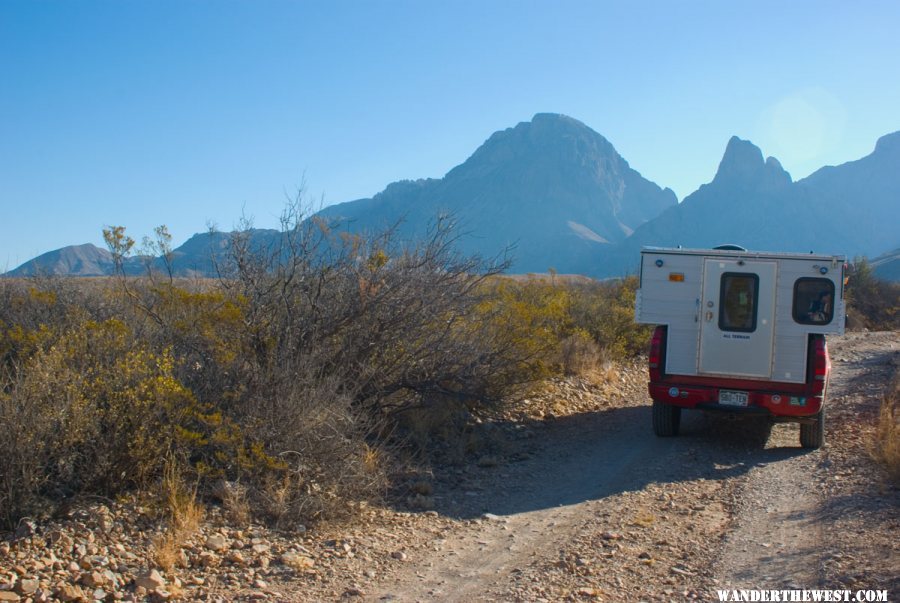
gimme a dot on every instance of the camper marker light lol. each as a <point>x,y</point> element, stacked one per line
<point>677,277</point>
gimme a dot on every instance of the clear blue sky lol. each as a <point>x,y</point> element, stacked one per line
<point>186,112</point>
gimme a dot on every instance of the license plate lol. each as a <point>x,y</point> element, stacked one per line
<point>733,398</point>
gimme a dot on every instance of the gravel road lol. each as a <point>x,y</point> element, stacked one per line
<point>573,499</point>
<point>605,510</point>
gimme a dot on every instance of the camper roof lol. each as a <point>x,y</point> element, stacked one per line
<point>745,254</point>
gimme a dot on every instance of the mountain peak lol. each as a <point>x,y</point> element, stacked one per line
<point>549,138</point>
<point>888,142</point>
<point>552,117</point>
<point>773,163</point>
<point>78,260</point>
<point>742,160</point>
<point>551,183</point>
<point>556,118</point>
<point>743,164</point>
<point>556,124</point>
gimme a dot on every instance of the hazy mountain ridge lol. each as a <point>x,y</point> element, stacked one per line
<point>860,198</point>
<point>75,260</point>
<point>754,203</point>
<point>745,189</point>
<point>561,194</point>
<point>552,187</point>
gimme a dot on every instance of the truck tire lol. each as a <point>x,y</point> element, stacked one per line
<point>812,435</point>
<point>666,419</point>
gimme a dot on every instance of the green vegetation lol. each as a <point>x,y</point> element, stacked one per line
<point>873,303</point>
<point>287,388</point>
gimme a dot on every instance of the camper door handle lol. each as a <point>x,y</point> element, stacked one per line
<point>709,316</point>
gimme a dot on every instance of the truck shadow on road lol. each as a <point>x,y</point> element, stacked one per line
<point>590,456</point>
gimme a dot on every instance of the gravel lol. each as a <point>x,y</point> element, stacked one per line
<point>572,499</point>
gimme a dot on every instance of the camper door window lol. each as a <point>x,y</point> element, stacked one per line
<point>813,301</point>
<point>738,295</point>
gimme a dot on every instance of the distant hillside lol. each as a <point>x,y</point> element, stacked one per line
<point>750,201</point>
<point>552,187</point>
<point>860,200</point>
<point>849,209</point>
<point>74,260</point>
<point>201,255</point>
<point>563,198</point>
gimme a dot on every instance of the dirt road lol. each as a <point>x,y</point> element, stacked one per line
<point>605,510</point>
<point>571,498</point>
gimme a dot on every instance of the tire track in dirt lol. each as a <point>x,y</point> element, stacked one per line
<point>549,508</point>
<point>780,538</point>
<point>542,505</point>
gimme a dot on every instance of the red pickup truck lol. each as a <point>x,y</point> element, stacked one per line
<point>740,332</point>
<point>802,403</point>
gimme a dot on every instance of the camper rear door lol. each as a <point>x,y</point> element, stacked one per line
<point>737,317</point>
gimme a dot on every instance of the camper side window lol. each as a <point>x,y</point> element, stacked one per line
<point>813,301</point>
<point>738,295</point>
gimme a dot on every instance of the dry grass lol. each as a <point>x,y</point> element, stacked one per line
<point>583,357</point>
<point>580,354</point>
<point>235,502</point>
<point>279,504</point>
<point>184,515</point>
<point>886,445</point>
<point>372,460</point>
<point>166,548</point>
<point>604,372</point>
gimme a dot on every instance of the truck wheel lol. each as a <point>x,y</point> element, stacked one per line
<point>666,419</point>
<point>812,435</point>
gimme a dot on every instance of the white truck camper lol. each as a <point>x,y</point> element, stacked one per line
<point>740,332</point>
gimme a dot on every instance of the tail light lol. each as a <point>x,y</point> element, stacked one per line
<point>657,346</point>
<point>820,364</point>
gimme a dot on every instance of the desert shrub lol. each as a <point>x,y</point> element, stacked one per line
<point>606,311</point>
<point>290,381</point>
<point>885,447</point>
<point>340,336</point>
<point>562,327</point>
<point>35,312</point>
<point>92,410</point>
<point>294,369</point>
<point>198,322</point>
<point>873,303</point>
<point>530,319</point>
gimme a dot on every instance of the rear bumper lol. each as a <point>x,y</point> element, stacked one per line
<point>764,401</point>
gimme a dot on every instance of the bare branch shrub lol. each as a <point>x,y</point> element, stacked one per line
<point>340,335</point>
<point>295,375</point>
